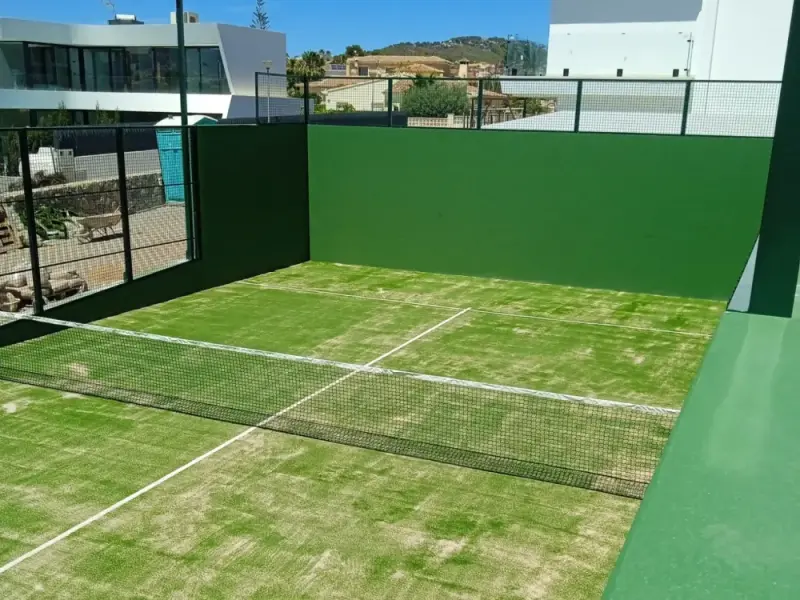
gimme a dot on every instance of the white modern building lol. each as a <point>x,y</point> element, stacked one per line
<point>132,69</point>
<point>743,40</point>
<point>704,67</point>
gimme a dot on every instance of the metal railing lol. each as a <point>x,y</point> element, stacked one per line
<point>654,106</point>
<point>83,209</point>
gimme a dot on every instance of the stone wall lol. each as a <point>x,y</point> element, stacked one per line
<point>95,197</point>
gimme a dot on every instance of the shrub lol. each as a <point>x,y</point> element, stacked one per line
<point>436,100</point>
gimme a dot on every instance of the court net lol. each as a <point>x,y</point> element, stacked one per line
<point>595,444</point>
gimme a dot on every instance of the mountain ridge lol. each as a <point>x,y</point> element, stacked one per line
<point>473,48</point>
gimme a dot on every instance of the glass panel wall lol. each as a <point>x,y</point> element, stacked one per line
<point>140,62</point>
<point>165,62</point>
<point>193,71</point>
<point>12,66</point>
<point>88,71</point>
<point>102,70</point>
<point>75,69</point>
<point>119,79</point>
<point>212,72</point>
<point>62,68</point>
<point>44,66</point>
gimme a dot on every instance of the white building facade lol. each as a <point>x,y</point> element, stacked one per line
<point>132,69</point>
<point>741,40</point>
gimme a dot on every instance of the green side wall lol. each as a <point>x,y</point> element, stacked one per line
<point>656,214</point>
<point>253,205</point>
<point>720,519</point>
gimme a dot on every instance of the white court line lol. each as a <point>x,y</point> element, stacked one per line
<point>267,286</point>
<point>201,458</point>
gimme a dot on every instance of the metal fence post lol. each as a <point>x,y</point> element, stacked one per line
<point>196,199</point>
<point>578,101</point>
<point>480,104</point>
<point>306,98</point>
<point>123,204</point>
<point>187,191</point>
<point>257,106</point>
<point>687,95</point>
<point>30,218</point>
<point>389,99</point>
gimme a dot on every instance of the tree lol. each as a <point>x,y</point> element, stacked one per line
<point>436,100</point>
<point>260,18</point>
<point>420,81</point>
<point>354,50</point>
<point>106,117</point>
<point>313,64</point>
<point>60,117</point>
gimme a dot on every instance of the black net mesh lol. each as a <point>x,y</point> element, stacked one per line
<point>601,445</point>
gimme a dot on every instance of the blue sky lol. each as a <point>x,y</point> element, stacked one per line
<point>328,24</point>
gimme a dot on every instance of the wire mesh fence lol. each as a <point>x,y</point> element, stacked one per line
<point>279,98</point>
<point>583,442</point>
<point>85,212</point>
<point>671,107</point>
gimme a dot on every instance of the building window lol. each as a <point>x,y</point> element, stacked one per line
<point>212,72</point>
<point>619,72</point>
<point>363,71</point>
<point>44,66</point>
<point>48,67</point>
<point>165,69</point>
<point>119,76</point>
<point>140,63</point>
<point>75,79</point>
<point>193,71</point>
<point>676,72</point>
<point>566,72</point>
<point>12,66</point>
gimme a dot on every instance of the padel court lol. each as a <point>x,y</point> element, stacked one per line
<point>362,425</point>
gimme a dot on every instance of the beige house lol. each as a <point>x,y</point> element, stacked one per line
<point>378,66</point>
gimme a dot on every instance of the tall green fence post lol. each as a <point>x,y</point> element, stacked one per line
<point>389,99</point>
<point>480,104</point>
<point>578,101</point>
<point>187,187</point>
<point>122,178</point>
<point>778,256</point>
<point>30,218</point>
<point>687,97</point>
<point>306,98</point>
<point>256,97</point>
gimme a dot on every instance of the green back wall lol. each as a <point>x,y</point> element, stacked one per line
<point>657,214</point>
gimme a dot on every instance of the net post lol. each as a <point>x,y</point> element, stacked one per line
<point>256,97</point>
<point>389,99</point>
<point>30,218</point>
<point>306,98</point>
<point>479,112</point>
<point>122,178</point>
<point>578,100</point>
<point>687,94</point>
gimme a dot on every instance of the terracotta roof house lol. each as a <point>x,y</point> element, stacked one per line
<point>377,65</point>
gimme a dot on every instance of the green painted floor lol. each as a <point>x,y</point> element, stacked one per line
<point>721,518</point>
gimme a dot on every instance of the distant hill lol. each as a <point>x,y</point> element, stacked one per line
<point>474,49</point>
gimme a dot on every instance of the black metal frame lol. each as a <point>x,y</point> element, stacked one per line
<point>477,116</point>
<point>35,266</point>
